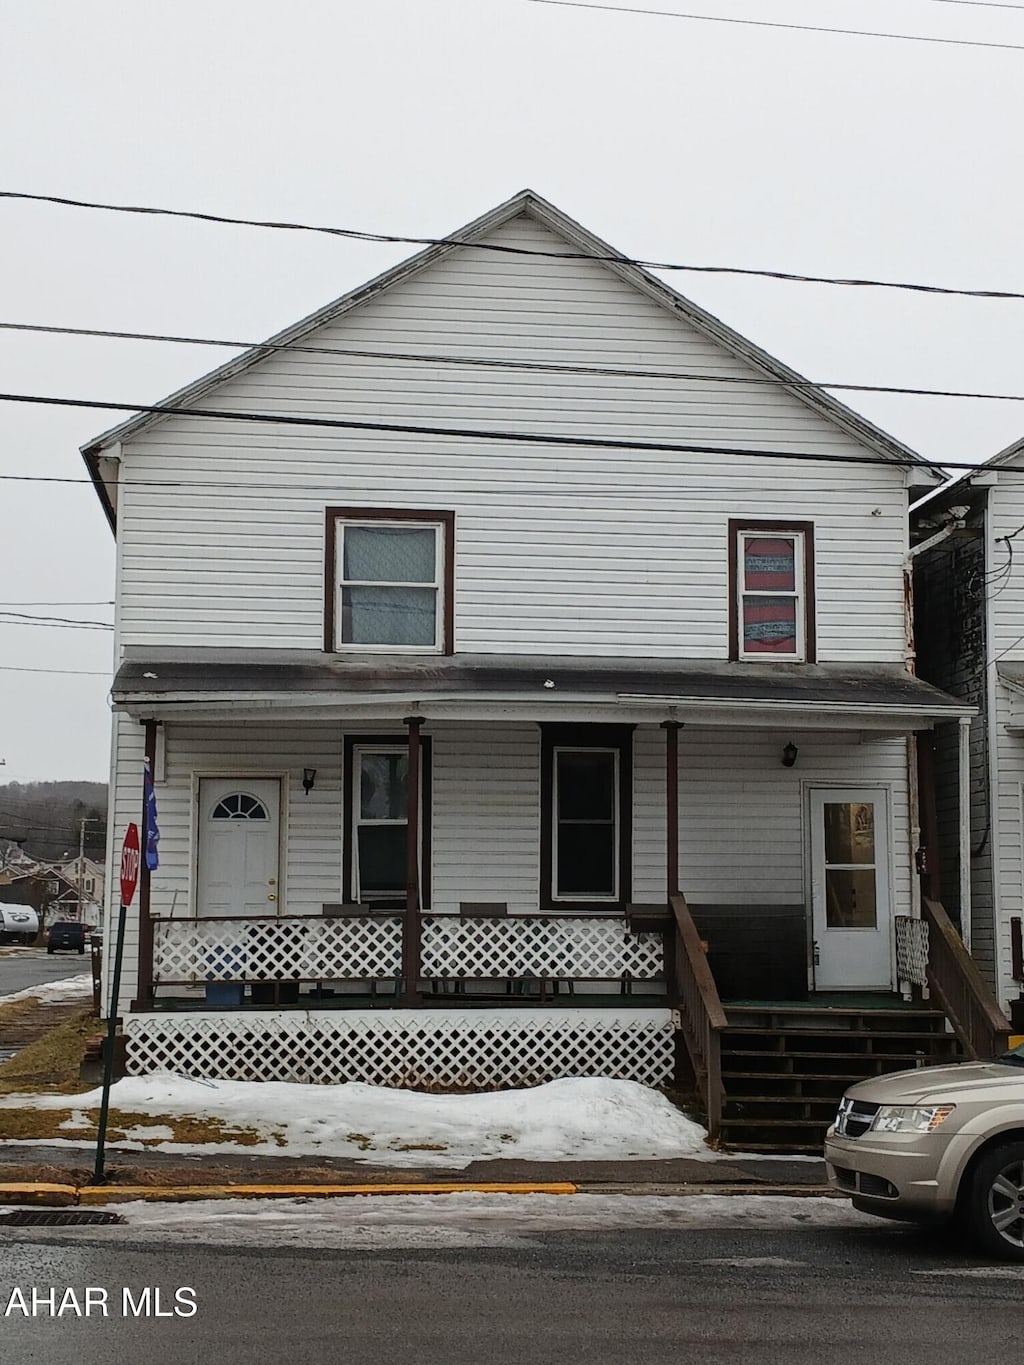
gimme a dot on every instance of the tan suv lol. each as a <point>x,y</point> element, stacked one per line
<point>938,1143</point>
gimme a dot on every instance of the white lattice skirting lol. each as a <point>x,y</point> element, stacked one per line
<point>476,1049</point>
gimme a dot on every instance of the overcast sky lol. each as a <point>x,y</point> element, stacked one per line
<point>674,139</point>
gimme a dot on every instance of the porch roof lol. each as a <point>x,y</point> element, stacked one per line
<point>160,682</point>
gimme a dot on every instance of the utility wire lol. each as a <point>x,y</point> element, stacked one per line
<point>71,672</point>
<point>464,433</point>
<point>776,23</point>
<point>502,249</point>
<point>459,433</point>
<point>495,362</point>
<point>60,620</point>
<point>106,602</point>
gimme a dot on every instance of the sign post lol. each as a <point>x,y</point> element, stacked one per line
<point>129,880</point>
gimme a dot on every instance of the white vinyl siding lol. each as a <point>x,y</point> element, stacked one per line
<point>562,550</point>
<point>1006,645</point>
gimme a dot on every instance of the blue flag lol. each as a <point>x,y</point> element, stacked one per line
<point>152,829</point>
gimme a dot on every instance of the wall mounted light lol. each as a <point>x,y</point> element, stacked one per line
<point>789,754</point>
<point>308,779</point>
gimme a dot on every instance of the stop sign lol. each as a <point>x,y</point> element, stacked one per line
<point>129,864</point>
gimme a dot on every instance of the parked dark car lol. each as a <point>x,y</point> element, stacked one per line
<point>66,934</point>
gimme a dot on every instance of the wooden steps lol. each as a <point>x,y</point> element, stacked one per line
<point>785,1068</point>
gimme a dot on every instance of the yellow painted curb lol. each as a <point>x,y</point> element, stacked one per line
<point>1016,1039</point>
<point>119,1194</point>
<point>38,1192</point>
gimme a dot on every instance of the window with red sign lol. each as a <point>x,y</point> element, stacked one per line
<point>772,607</point>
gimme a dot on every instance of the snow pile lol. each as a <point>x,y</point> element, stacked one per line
<point>579,1119</point>
<point>63,992</point>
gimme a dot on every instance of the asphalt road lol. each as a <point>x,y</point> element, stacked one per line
<point>805,1296</point>
<point>24,967</point>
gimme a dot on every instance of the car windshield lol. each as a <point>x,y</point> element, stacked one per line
<point>1015,1056</point>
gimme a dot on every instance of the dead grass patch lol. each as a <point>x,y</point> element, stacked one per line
<point>51,1063</point>
<point>17,1009</point>
<point>35,1125</point>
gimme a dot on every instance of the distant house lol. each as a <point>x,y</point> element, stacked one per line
<point>46,889</point>
<point>557,631</point>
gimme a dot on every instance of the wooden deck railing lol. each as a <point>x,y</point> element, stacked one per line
<point>960,991</point>
<point>700,1009</point>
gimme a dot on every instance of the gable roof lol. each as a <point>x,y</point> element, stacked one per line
<point>586,243</point>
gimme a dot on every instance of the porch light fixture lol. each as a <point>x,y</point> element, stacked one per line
<point>308,779</point>
<point>789,754</point>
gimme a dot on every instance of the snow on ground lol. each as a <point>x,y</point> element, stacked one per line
<point>576,1119</point>
<point>440,1222</point>
<point>63,992</point>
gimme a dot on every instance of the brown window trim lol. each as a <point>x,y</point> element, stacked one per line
<point>584,736</point>
<point>806,528</point>
<point>400,741</point>
<point>446,519</point>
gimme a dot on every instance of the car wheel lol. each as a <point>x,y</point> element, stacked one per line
<point>995,1202</point>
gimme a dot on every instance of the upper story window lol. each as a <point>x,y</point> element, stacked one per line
<point>390,581</point>
<point>771,581</point>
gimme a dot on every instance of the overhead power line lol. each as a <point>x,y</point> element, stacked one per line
<point>457,433</point>
<point>507,250</point>
<point>464,433</point>
<point>779,24</point>
<point>499,363</point>
<point>53,620</point>
<point>71,672</point>
<point>105,602</point>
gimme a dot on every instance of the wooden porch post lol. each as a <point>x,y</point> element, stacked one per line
<point>672,728</point>
<point>144,990</point>
<point>411,919</point>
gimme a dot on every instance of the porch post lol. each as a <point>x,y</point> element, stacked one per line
<point>672,728</point>
<point>411,919</point>
<point>144,989</point>
<point>964,813</point>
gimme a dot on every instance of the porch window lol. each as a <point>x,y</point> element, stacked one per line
<point>586,824</point>
<point>391,581</point>
<point>771,592</point>
<point>586,792</point>
<point>377,816</point>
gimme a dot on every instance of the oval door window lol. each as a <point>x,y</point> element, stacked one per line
<point>239,806</point>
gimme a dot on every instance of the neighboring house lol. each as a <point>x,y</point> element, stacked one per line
<point>465,740</point>
<point>970,614</point>
<point>46,889</point>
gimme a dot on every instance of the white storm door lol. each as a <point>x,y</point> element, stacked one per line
<point>239,846</point>
<point>851,911</point>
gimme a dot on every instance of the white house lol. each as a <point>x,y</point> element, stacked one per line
<point>618,598</point>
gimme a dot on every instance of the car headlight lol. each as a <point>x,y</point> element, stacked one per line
<point>905,1118</point>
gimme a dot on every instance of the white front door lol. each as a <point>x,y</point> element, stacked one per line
<point>851,912</point>
<point>239,841</point>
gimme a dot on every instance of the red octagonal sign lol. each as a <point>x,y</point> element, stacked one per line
<point>129,864</point>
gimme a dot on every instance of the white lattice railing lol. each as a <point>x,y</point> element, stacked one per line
<point>912,950</point>
<point>433,1049</point>
<point>369,947</point>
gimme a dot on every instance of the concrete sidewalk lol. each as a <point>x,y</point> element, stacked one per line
<point>167,1171</point>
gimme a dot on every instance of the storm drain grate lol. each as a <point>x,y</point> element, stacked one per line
<point>57,1218</point>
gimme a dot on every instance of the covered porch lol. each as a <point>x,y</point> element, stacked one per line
<point>481,841</point>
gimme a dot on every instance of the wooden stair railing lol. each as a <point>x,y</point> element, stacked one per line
<point>960,990</point>
<point>700,1009</point>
